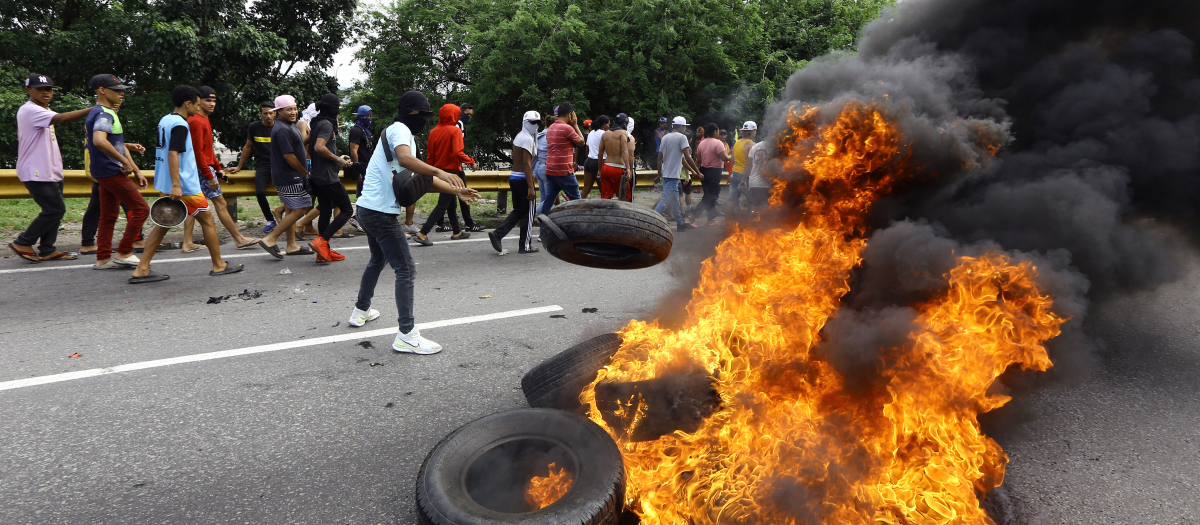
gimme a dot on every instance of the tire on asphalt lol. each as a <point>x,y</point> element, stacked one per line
<point>604,233</point>
<point>479,473</point>
<point>558,381</point>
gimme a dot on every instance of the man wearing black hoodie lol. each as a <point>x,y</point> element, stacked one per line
<point>326,164</point>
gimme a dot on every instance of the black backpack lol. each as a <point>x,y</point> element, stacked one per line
<point>409,187</point>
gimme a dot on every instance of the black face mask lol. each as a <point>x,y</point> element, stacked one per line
<point>416,122</point>
<point>465,119</point>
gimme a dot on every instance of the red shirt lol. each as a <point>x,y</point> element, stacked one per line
<point>202,145</point>
<point>560,149</point>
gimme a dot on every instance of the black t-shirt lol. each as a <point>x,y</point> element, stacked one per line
<point>324,171</point>
<point>179,138</point>
<point>285,138</point>
<point>357,136</point>
<point>259,134</point>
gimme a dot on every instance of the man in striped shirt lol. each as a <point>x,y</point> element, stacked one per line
<point>562,138</point>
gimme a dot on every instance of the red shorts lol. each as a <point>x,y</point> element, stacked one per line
<point>610,181</point>
<point>194,203</point>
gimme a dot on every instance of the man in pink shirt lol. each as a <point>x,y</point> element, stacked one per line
<point>561,139</point>
<point>39,167</point>
<point>712,158</point>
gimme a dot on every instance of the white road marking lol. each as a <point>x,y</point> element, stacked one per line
<point>259,250</point>
<point>287,345</point>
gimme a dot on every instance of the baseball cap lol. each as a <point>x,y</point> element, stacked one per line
<point>284,101</point>
<point>36,81</point>
<point>587,123</point>
<point>679,121</point>
<point>364,111</point>
<point>533,115</point>
<point>107,81</point>
<point>663,119</point>
<point>749,126</point>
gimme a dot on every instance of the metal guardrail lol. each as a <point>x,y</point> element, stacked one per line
<point>241,184</point>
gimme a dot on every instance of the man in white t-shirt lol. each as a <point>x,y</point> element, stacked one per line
<point>39,168</point>
<point>675,155</point>
<point>591,166</point>
<point>760,186</point>
<point>378,213</point>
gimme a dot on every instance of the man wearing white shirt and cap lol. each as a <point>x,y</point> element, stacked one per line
<point>520,183</point>
<point>737,177</point>
<point>675,155</point>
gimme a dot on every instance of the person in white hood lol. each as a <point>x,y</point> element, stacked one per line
<point>521,185</point>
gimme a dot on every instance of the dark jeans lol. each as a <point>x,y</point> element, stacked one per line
<point>466,208</point>
<point>44,227</point>
<point>91,218</point>
<point>567,184</point>
<point>115,191</point>
<point>261,179</point>
<point>332,196</point>
<point>522,213</point>
<point>712,191</point>
<point>445,202</point>
<point>388,245</point>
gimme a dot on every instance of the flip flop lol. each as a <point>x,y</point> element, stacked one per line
<point>197,248</point>
<point>344,236</point>
<point>86,252</point>
<point>247,246</point>
<point>28,256</point>
<point>228,270</point>
<point>58,255</point>
<point>151,277</point>
<point>273,250</point>
<point>302,251</point>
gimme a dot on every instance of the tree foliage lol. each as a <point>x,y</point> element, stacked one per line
<point>248,52</point>
<point>709,60</point>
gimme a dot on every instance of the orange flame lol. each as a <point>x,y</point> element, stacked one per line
<point>544,490</point>
<point>790,444</point>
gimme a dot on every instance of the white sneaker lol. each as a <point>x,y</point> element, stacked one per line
<point>410,228</point>
<point>413,343</point>
<point>359,317</point>
<point>128,262</point>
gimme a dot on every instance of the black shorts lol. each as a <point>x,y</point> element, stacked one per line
<point>685,186</point>
<point>591,166</point>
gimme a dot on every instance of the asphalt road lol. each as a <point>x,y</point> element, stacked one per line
<point>335,432</point>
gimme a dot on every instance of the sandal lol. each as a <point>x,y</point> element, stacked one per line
<point>59,255</point>
<point>151,277</point>
<point>344,236</point>
<point>304,250</point>
<point>197,248</point>
<point>252,243</point>
<point>273,250</point>
<point>28,256</point>
<point>228,270</point>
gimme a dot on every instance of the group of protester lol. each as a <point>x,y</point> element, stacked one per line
<point>303,163</point>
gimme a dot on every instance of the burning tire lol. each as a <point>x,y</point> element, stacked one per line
<point>527,466</point>
<point>601,233</point>
<point>557,382</point>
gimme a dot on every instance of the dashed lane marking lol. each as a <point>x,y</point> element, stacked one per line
<point>274,347</point>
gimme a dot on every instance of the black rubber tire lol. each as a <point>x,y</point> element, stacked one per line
<point>596,496</point>
<point>557,382</point>
<point>605,233</point>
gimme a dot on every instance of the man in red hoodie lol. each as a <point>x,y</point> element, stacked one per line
<point>445,152</point>
<point>210,173</point>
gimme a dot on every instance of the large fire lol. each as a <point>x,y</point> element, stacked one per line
<point>789,443</point>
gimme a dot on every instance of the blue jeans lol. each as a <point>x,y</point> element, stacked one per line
<point>388,245</point>
<point>539,173</point>
<point>670,200</point>
<point>734,193</point>
<point>567,184</point>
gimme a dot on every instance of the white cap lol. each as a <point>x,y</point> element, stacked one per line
<point>749,126</point>
<point>679,121</point>
<point>532,115</point>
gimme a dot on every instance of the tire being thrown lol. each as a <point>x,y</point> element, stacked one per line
<point>604,233</point>
<point>483,473</point>
<point>558,381</point>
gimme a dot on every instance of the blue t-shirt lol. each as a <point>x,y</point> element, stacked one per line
<point>377,191</point>
<point>169,139</point>
<point>104,119</point>
<point>542,150</point>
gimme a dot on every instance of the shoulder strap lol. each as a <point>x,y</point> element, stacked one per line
<point>387,145</point>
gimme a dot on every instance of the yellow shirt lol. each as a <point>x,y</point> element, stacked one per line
<point>741,153</point>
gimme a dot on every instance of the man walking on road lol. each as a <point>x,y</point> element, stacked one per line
<point>40,169</point>
<point>674,156</point>
<point>613,151</point>
<point>562,138</point>
<point>737,176</point>
<point>378,213</point>
<point>258,141</point>
<point>360,147</point>
<point>176,178</point>
<point>445,153</point>
<point>289,169</point>
<point>464,207</point>
<point>212,172</point>
<point>111,166</point>
<point>325,183</point>
<point>712,158</point>
<point>520,183</point>
<point>591,166</point>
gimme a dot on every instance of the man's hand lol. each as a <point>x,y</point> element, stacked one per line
<point>137,148</point>
<point>452,180</point>
<point>213,184</point>
<point>176,192</point>
<point>469,195</point>
<point>697,175</point>
<point>531,194</point>
<point>127,167</point>
<point>141,180</point>
<point>233,170</point>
